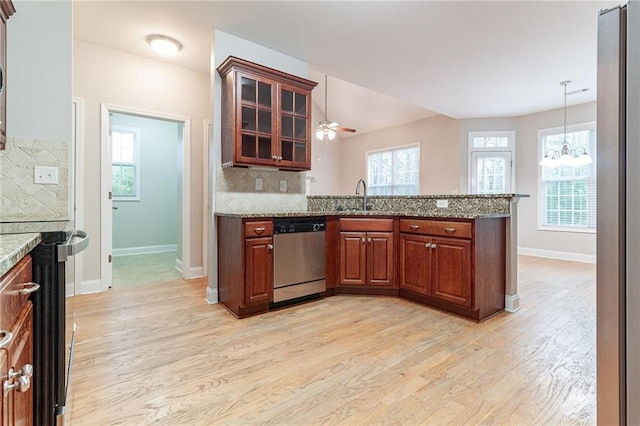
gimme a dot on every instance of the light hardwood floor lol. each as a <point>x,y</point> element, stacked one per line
<point>163,356</point>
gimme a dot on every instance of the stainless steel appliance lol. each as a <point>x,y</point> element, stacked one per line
<point>298,258</point>
<point>52,346</point>
<point>618,241</point>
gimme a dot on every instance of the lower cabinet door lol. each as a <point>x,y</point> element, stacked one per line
<point>353,258</point>
<point>20,400</point>
<point>380,259</point>
<point>415,263</point>
<point>452,271</point>
<point>258,270</point>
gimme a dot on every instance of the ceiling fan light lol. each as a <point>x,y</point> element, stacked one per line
<point>331,134</point>
<point>320,134</point>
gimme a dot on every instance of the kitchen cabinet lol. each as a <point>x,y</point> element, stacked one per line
<point>366,253</point>
<point>6,10</point>
<point>245,264</point>
<point>16,349</point>
<point>454,265</point>
<point>266,116</point>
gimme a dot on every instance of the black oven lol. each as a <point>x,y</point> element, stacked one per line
<point>52,351</point>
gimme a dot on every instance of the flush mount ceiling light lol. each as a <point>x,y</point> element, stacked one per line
<point>163,45</point>
<point>567,156</point>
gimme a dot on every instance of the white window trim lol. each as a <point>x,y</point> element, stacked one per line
<point>417,144</point>
<point>135,130</point>
<point>589,125</point>
<point>511,147</point>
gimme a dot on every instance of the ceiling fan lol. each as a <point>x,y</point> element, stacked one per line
<point>327,129</point>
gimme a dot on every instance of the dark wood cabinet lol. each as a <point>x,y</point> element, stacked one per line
<point>258,270</point>
<point>266,116</point>
<point>245,264</point>
<point>366,253</point>
<point>454,265</point>
<point>6,10</point>
<point>16,351</point>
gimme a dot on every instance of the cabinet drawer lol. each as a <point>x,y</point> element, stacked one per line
<point>11,300</point>
<point>258,228</point>
<point>436,227</point>
<point>366,225</point>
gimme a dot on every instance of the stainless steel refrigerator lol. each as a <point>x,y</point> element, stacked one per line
<point>618,246</point>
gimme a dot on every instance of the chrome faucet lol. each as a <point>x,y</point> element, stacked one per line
<point>364,187</point>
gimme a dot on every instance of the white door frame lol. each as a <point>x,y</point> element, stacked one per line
<point>106,218</point>
<point>77,181</point>
<point>206,205</point>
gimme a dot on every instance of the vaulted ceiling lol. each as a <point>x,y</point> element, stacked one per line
<point>388,61</point>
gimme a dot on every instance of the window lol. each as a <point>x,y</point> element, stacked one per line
<point>125,149</point>
<point>395,171</point>
<point>568,193</point>
<point>490,162</point>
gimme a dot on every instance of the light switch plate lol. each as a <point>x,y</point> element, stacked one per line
<point>46,175</point>
<point>258,183</point>
<point>283,186</point>
<point>442,204</point>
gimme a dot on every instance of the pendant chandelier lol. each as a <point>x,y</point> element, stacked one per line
<point>567,156</point>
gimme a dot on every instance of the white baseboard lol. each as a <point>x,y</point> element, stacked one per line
<point>131,251</point>
<point>92,286</point>
<point>179,265</point>
<point>211,296</point>
<point>511,303</point>
<point>70,289</point>
<point>560,255</point>
<point>195,272</point>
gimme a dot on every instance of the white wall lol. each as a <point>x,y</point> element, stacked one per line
<point>439,153</point>
<point>583,245</point>
<point>104,75</point>
<point>39,70</point>
<point>153,219</point>
<point>326,161</point>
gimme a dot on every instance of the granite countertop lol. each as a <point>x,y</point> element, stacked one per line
<point>443,214</point>
<point>13,247</point>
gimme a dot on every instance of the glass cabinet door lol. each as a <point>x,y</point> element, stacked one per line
<point>256,118</point>
<point>294,121</point>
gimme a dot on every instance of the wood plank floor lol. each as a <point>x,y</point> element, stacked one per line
<point>162,356</point>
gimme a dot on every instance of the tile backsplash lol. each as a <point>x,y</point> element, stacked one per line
<point>21,198</point>
<point>236,191</point>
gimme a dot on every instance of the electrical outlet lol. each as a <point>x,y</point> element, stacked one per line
<point>46,175</point>
<point>283,186</point>
<point>258,183</point>
<point>442,204</point>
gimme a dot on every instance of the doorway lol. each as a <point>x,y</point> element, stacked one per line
<point>144,195</point>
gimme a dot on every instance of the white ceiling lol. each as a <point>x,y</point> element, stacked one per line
<point>462,59</point>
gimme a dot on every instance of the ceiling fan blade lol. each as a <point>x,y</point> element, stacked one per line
<point>333,124</point>
<point>345,129</point>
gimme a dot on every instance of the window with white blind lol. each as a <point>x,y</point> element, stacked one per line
<point>125,164</point>
<point>490,162</point>
<point>394,171</point>
<point>567,200</point>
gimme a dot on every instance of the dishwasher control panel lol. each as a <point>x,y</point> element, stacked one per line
<point>299,224</point>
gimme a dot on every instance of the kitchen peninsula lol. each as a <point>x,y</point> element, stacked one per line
<point>453,252</point>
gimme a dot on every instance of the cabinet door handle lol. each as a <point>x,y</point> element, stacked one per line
<point>362,239</point>
<point>259,230</point>
<point>26,371</point>
<point>449,230</point>
<point>433,246</point>
<point>22,385</point>
<point>7,337</point>
<point>29,288</point>
<point>270,246</point>
<point>414,227</point>
<point>274,157</point>
<point>369,240</point>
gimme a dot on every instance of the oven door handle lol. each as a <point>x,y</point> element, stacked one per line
<point>70,248</point>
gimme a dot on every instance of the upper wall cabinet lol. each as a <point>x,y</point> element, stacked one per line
<point>266,116</point>
<point>6,10</point>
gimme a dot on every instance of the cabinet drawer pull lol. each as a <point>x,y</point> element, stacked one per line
<point>414,227</point>
<point>26,371</point>
<point>259,230</point>
<point>29,288</point>
<point>7,337</point>
<point>449,230</point>
<point>270,246</point>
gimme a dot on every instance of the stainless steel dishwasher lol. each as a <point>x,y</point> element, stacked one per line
<point>298,258</point>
